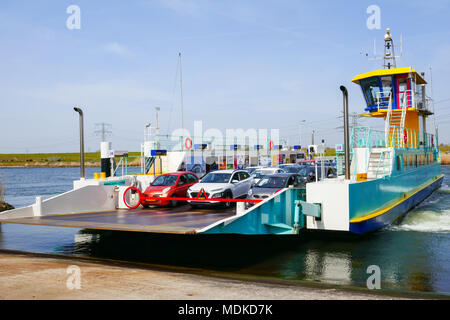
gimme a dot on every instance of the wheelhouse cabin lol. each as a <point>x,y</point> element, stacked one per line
<point>400,87</point>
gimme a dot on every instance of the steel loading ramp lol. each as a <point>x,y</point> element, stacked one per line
<point>181,220</point>
<point>94,207</point>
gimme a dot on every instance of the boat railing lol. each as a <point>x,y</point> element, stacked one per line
<point>385,156</point>
<point>366,137</point>
<point>384,99</point>
<point>123,164</point>
<point>397,137</point>
<point>171,142</point>
<point>400,137</point>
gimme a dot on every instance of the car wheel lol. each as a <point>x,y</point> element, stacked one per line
<point>173,203</point>
<point>228,195</point>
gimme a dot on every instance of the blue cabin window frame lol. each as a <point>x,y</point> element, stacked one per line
<point>393,88</point>
<point>362,83</point>
<point>374,107</point>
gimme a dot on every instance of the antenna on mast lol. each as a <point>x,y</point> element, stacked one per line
<point>389,57</point>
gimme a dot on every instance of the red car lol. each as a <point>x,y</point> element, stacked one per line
<point>168,185</point>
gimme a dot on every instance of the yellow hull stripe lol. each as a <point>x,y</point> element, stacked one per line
<point>406,197</point>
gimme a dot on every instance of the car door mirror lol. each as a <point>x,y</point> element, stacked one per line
<point>234,181</point>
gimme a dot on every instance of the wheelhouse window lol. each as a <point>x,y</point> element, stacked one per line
<point>386,91</point>
<point>418,95</point>
<point>371,89</point>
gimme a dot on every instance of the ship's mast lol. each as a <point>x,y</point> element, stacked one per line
<point>389,55</point>
<point>181,95</point>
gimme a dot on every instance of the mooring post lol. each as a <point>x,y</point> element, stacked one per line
<point>80,112</point>
<point>346,133</point>
<point>37,208</point>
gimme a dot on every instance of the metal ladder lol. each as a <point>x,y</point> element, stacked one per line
<point>379,164</point>
<point>395,120</point>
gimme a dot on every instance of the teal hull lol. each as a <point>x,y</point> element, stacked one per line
<point>377,203</point>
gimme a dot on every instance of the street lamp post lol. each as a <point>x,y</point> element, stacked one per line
<point>346,133</point>
<point>80,112</point>
<point>157,127</point>
<point>300,132</point>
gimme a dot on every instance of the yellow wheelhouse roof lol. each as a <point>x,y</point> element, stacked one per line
<point>388,72</point>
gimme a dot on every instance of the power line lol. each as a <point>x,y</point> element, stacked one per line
<point>103,129</point>
<point>354,123</point>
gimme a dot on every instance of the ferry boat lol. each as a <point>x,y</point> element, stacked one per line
<point>381,175</point>
<point>396,169</point>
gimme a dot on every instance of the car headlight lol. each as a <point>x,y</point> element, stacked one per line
<point>250,192</point>
<point>217,195</point>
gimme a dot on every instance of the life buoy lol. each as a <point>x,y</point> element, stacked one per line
<point>271,145</point>
<point>139,200</point>
<point>405,136</point>
<point>188,143</point>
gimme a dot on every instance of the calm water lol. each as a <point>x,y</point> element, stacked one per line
<point>413,256</point>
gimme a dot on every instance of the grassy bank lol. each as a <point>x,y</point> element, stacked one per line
<point>92,159</point>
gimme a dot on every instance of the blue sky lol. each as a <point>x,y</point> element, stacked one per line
<point>246,64</point>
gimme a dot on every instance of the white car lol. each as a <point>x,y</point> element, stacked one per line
<point>253,169</point>
<point>229,184</point>
<point>258,174</point>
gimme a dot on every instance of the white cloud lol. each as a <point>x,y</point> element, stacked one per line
<point>118,49</point>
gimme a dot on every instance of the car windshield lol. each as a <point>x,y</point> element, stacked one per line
<point>167,180</point>
<point>257,174</point>
<point>304,172</point>
<point>271,182</point>
<point>291,169</point>
<point>216,178</point>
